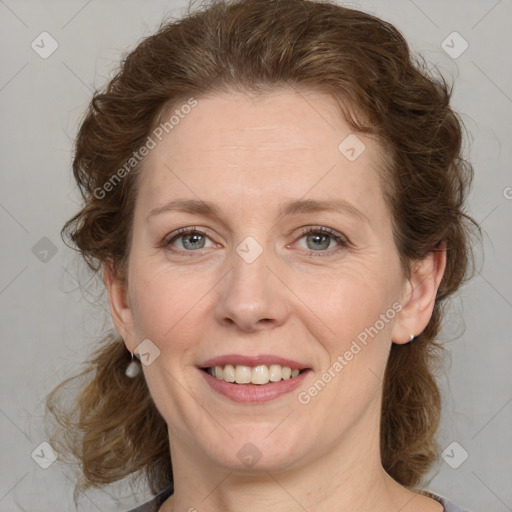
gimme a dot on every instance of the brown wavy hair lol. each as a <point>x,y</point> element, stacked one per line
<point>113,427</point>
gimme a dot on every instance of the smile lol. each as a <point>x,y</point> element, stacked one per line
<point>253,378</point>
<point>261,374</point>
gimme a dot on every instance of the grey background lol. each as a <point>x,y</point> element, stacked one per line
<point>51,314</point>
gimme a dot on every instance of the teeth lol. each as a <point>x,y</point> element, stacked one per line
<point>275,372</point>
<point>242,374</point>
<point>261,374</point>
<point>229,373</point>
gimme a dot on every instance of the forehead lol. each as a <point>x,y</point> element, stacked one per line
<point>243,150</point>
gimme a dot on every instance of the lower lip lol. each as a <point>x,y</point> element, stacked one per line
<point>254,393</point>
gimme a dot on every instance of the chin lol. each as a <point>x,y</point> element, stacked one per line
<point>259,450</point>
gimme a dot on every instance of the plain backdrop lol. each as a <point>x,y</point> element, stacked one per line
<point>51,314</point>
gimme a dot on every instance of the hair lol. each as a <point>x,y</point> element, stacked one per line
<point>113,427</point>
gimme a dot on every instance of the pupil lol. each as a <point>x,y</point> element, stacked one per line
<point>317,237</point>
<point>195,239</point>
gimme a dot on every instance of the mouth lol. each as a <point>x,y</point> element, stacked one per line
<point>253,379</point>
<point>260,375</point>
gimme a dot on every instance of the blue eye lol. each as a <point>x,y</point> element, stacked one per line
<point>318,240</point>
<point>191,239</point>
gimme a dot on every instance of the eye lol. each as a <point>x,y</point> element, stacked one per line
<point>190,239</point>
<point>319,240</point>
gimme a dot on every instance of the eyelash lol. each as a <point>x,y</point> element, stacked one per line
<point>337,237</point>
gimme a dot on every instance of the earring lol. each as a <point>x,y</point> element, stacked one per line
<point>133,369</point>
<point>411,338</point>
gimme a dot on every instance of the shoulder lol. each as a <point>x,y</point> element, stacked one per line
<point>155,503</point>
<point>447,504</point>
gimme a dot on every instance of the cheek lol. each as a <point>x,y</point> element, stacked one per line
<point>167,304</point>
<point>349,302</point>
<point>356,318</point>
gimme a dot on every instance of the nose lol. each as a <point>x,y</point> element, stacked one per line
<point>252,296</point>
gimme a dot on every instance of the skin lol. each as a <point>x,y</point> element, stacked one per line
<point>249,155</point>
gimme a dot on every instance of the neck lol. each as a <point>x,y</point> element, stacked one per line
<point>347,477</point>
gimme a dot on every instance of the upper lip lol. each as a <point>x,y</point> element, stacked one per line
<point>239,359</point>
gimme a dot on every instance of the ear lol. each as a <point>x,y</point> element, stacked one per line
<point>419,294</point>
<point>120,307</point>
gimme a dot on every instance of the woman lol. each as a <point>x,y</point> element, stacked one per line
<point>274,193</point>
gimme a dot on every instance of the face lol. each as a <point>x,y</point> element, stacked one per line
<point>277,252</point>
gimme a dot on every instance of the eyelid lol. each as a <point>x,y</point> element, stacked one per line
<point>173,234</point>
<point>323,229</point>
<point>184,231</point>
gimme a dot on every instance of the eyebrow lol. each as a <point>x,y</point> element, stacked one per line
<point>294,207</point>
